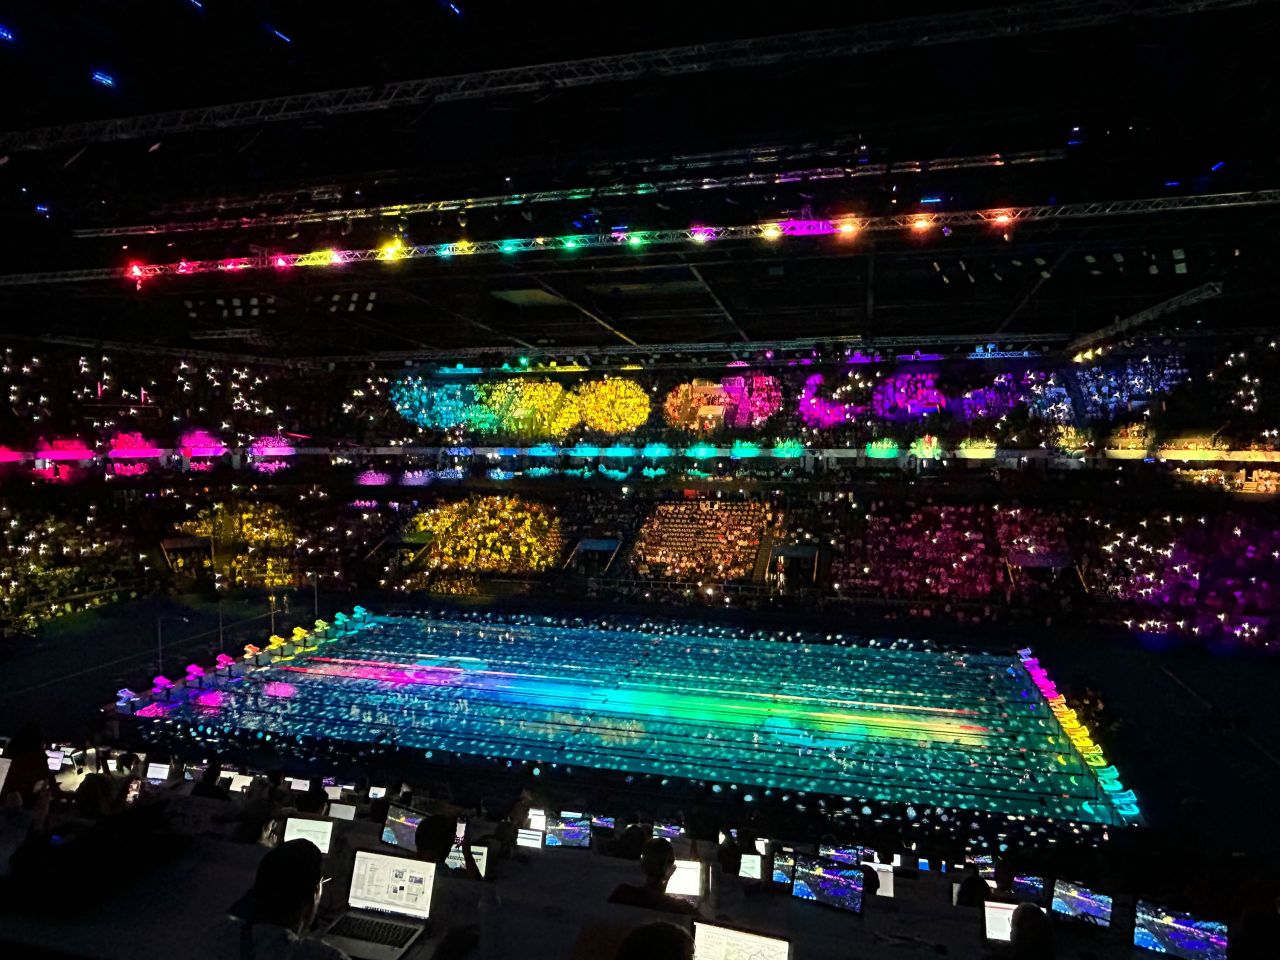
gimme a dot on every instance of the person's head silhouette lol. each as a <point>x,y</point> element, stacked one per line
<point>656,941</point>
<point>658,862</point>
<point>287,887</point>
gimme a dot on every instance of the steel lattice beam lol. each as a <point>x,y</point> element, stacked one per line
<point>609,191</point>
<point>846,229</point>
<point>1017,20</point>
<point>1206,291</point>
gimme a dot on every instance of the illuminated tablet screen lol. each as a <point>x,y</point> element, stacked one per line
<point>784,865</point>
<point>750,867</point>
<point>529,838</point>
<point>565,831</point>
<point>1080,903</point>
<point>1178,934</point>
<point>342,811</point>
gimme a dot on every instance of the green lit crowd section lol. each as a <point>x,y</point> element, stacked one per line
<point>759,714</point>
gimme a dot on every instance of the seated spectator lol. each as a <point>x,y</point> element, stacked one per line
<point>631,841</point>
<point>658,864</point>
<point>973,889</point>
<point>1031,933</point>
<point>17,825</point>
<point>729,856</point>
<point>656,941</point>
<point>208,787</point>
<point>30,767</point>
<point>96,798</point>
<point>284,899</point>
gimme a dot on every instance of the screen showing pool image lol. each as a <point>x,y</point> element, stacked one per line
<point>400,829</point>
<point>843,854</point>
<point>669,831</point>
<point>606,823</point>
<point>565,831</point>
<point>1080,903</point>
<point>1178,934</point>
<point>829,882</point>
<point>1028,888</point>
<point>784,865</point>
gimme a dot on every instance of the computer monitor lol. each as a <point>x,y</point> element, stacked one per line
<point>387,884</point>
<point>997,920</point>
<point>569,831</point>
<point>784,865</point>
<point>711,941</point>
<point>1029,888</point>
<point>157,772</point>
<point>377,793</point>
<point>832,883</point>
<point>604,823</point>
<point>480,854</point>
<point>333,793</point>
<point>54,759</point>
<point>1078,902</point>
<point>400,829</point>
<point>686,882</point>
<point>342,811</point>
<point>1178,934</point>
<point>750,866</point>
<point>318,832</point>
<point>851,854</point>
<point>529,838</point>
<point>669,831</point>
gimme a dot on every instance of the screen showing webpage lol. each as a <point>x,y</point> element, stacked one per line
<point>395,884</point>
<point>317,831</point>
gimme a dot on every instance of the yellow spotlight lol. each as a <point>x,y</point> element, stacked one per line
<point>771,231</point>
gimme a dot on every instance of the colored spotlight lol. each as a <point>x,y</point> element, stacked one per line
<point>1002,218</point>
<point>921,224</point>
<point>636,240</point>
<point>6,34</point>
<point>847,229</point>
<point>103,79</point>
<point>335,256</point>
<point>569,243</point>
<point>392,249</point>
<point>281,262</point>
<point>771,231</point>
<point>509,246</point>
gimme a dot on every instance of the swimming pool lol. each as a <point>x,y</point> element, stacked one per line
<point>878,720</point>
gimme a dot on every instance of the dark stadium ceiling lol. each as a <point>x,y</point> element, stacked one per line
<point>1091,101</point>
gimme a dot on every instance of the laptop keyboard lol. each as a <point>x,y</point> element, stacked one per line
<point>373,931</point>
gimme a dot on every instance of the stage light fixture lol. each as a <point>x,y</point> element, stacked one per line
<point>771,231</point>
<point>392,249</point>
<point>847,229</point>
<point>921,224</point>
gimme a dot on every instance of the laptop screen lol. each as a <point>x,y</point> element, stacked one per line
<point>392,884</point>
<point>687,880</point>
<point>317,831</point>
<point>1080,903</point>
<point>5,762</point>
<point>400,829</point>
<point>843,854</point>
<point>750,867</point>
<point>54,759</point>
<point>157,771</point>
<point>997,919</point>
<point>529,838</point>
<point>670,831</point>
<point>712,942</point>
<point>240,781</point>
<point>342,811</point>
<point>1028,888</point>
<point>377,793</point>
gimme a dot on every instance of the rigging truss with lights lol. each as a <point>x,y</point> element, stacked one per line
<point>1018,20</point>
<point>844,228</point>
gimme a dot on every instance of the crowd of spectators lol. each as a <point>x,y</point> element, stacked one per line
<point>700,539</point>
<point>1113,388</point>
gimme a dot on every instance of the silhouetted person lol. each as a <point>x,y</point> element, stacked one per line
<point>283,907</point>
<point>973,889</point>
<point>656,941</point>
<point>30,764</point>
<point>435,839</point>
<point>208,787</point>
<point>658,864</point>
<point>1031,933</point>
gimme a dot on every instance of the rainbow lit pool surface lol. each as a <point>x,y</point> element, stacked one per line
<point>880,722</point>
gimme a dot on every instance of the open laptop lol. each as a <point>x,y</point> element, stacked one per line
<point>390,901</point>
<point>711,941</point>
<point>686,882</point>
<point>157,773</point>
